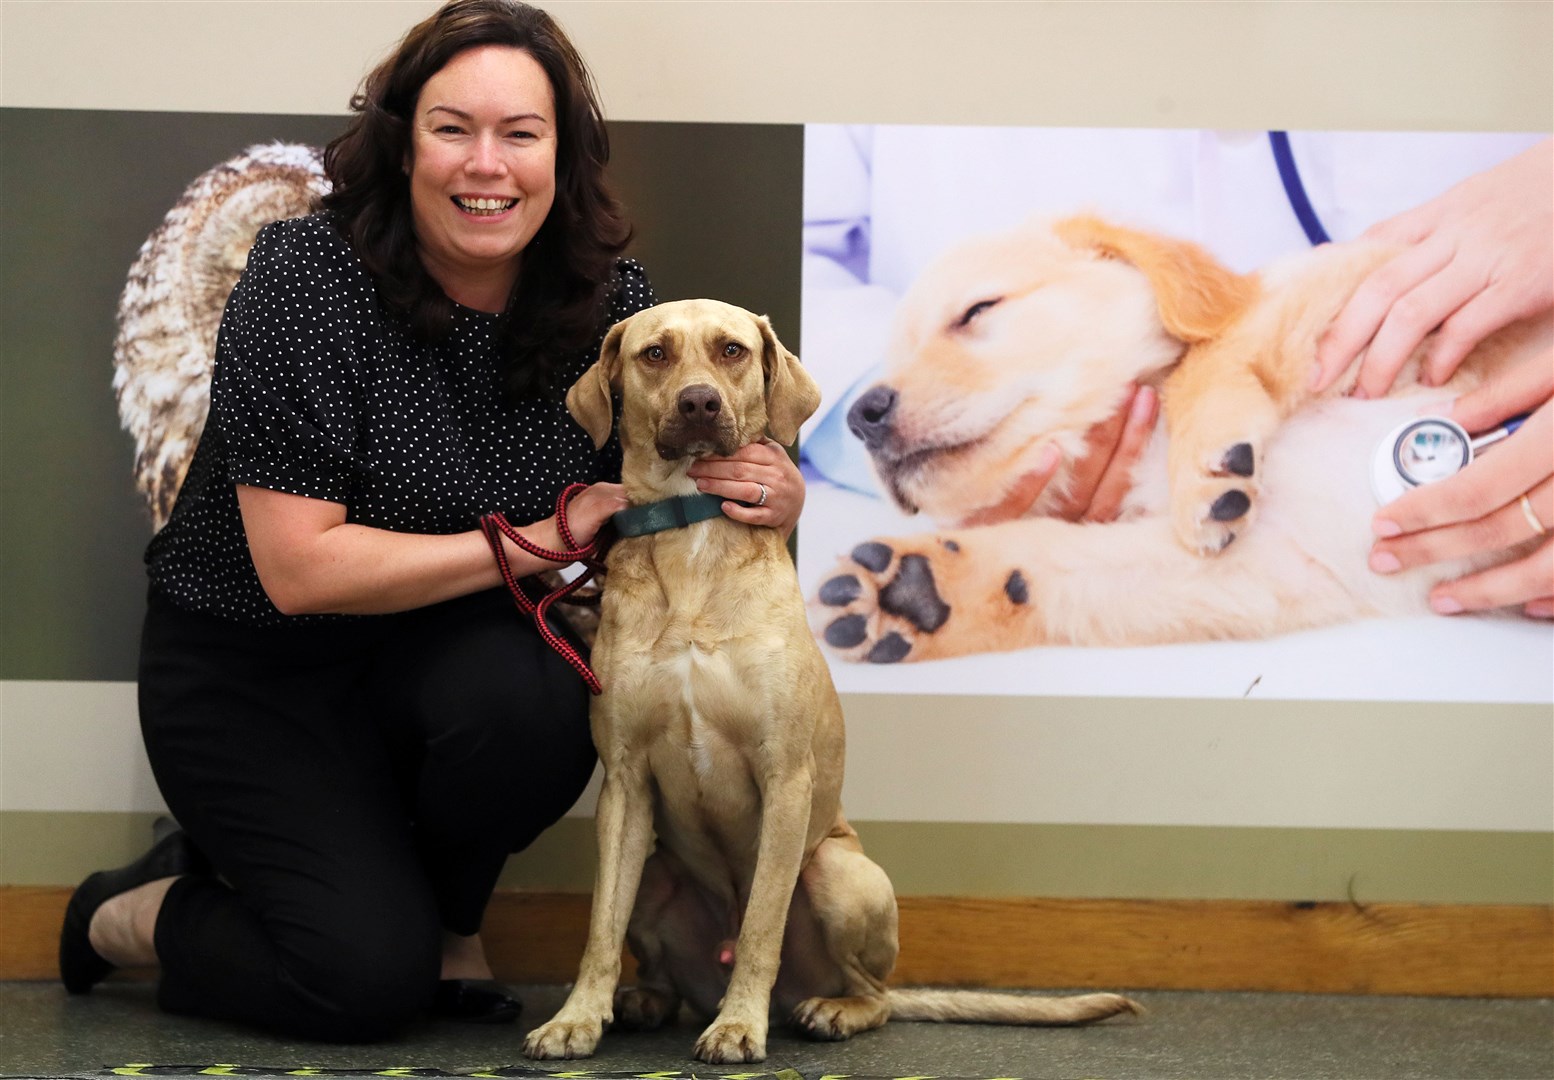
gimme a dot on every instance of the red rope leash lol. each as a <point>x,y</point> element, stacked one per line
<point>495,526</point>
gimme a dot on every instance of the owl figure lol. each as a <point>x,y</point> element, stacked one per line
<point>172,303</point>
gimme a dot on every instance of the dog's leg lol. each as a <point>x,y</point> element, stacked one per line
<point>660,914</point>
<point>625,829</point>
<point>739,1032</point>
<point>1221,412</point>
<point>852,911</point>
<point>1043,581</point>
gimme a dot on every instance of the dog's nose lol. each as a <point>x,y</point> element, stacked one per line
<point>872,415</point>
<point>699,402</point>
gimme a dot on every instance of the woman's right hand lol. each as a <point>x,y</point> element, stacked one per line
<point>589,509</point>
<point>311,560</point>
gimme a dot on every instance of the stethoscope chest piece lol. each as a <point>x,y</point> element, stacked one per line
<point>1420,451</point>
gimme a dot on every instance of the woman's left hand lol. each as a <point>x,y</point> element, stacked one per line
<point>1500,501</point>
<point>760,474</point>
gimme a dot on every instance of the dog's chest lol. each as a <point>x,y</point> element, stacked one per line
<point>696,662</point>
<point>702,722</point>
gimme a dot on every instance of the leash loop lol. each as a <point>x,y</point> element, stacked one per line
<point>496,526</point>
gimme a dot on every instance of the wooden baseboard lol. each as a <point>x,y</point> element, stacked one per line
<point>1418,949</point>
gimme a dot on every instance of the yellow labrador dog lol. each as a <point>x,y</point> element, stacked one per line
<point>720,732</point>
<point>1009,344</point>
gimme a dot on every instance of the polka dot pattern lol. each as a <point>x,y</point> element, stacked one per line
<point>317,393</point>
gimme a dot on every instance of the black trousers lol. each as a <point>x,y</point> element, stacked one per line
<point>357,786</point>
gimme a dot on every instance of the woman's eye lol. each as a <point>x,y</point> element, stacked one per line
<point>976,309</point>
<point>733,350</point>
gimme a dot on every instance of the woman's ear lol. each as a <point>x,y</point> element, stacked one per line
<point>1197,296</point>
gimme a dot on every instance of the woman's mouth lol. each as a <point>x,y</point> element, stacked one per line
<point>484,207</point>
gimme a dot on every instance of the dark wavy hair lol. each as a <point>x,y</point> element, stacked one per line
<point>568,266</point>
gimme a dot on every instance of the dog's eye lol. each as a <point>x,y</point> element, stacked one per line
<point>654,353</point>
<point>734,350</point>
<point>976,309</point>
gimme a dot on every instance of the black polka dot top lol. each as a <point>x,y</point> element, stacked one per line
<point>317,393</point>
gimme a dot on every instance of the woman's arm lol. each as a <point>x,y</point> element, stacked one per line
<point>311,561</point>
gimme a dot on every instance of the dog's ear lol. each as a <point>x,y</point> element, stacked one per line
<point>1198,298</point>
<point>791,395</point>
<point>589,400</point>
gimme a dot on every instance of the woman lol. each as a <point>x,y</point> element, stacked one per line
<point>388,371</point>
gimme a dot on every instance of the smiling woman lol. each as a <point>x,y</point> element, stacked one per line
<point>388,371</point>
<point>482,178</point>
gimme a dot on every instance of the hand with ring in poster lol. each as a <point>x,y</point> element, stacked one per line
<point>1503,499</point>
<point>760,481</point>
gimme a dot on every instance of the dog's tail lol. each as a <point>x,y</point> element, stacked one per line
<point>980,1007</point>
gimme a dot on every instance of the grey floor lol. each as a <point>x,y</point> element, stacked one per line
<point>45,1033</point>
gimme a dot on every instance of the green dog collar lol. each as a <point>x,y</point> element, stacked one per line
<point>674,513</point>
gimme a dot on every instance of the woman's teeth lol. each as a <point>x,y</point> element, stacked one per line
<point>485,206</point>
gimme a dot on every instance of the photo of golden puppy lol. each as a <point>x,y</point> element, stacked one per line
<point>1014,341</point>
<point>975,340</point>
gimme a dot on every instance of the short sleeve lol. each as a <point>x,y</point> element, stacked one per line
<point>294,332</point>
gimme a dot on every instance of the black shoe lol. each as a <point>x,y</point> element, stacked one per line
<point>80,967</point>
<point>475,1001</point>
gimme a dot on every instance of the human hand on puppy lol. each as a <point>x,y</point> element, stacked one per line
<point>1473,260</point>
<point>1101,479</point>
<point>761,474</point>
<point>1502,499</point>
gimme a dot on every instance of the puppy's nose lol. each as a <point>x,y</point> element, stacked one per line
<point>872,415</point>
<point>699,403</point>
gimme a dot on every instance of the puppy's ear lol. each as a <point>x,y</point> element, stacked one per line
<point>589,399</point>
<point>791,395</point>
<point>1198,298</point>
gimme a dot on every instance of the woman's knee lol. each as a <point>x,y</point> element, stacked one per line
<point>351,992</point>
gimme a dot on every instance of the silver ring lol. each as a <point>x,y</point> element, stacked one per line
<point>762,500</point>
<point>1538,527</point>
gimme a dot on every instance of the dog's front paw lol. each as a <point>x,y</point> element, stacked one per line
<point>1213,494</point>
<point>564,1039</point>
<point>731,1042</point>
<point>883,600</point>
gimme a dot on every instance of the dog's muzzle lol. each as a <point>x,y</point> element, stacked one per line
<point>699,425</point>
<point>872,417</point>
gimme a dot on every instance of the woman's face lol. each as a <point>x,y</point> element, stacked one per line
<point>482,170</point>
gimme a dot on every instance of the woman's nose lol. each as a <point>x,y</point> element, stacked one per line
<point>485,156</point>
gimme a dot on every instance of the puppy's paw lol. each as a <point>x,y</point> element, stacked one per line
<point>563,1039</point>
<point>1213,495</point>
<point>884,600</point>
<point>641,1008</point>
<point>732,1042</point>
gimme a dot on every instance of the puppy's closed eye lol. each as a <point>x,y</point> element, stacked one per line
<point>973,311</point>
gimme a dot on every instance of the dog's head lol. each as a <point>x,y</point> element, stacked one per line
<point>1010,342</point>
<point>695,377</point>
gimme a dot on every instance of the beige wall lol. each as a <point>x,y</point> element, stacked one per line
<point>1469,65</point>
<point>1296,775</point>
